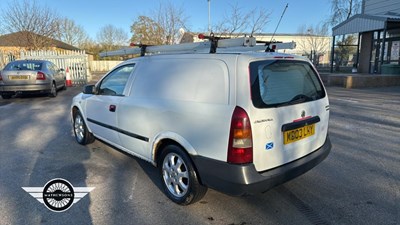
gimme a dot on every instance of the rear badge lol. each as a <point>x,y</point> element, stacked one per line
<point>269,146</point>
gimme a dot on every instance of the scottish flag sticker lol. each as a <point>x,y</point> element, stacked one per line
<point>269,146</point>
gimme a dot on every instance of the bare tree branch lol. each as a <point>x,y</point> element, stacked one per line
<point>237,22</point>
<point>342,10</point>
<point>71,33</point>
<point>161,27</point>
<point>170,18</point>
<point>258,20</point>
<point>111,37</point>
<point>313,42</point>
<point>147,31</point>
<point>30,17</point>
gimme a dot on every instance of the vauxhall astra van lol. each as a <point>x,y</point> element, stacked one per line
<point>239,123</point>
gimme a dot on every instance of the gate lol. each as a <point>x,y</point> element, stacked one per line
<point>6,57</point>
<point>75,61</point>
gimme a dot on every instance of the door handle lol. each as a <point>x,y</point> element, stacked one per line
<point>112,108</point>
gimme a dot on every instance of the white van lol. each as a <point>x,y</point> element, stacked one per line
<point>238,123</point>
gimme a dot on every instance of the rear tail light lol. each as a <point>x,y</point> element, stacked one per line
<point>1,78</point>
<point>40,76</point>
<point>240,149</point>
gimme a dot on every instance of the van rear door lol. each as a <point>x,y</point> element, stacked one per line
<point>290,114</point>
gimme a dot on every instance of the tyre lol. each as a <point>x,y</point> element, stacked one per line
<point>53,90</point>
<point>178,176</point>
<point>82,134</point>
<point>64,87</point>
<point>6,96</point>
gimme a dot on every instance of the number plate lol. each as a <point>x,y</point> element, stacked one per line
<point>291,136</point>
<point>18,77</point>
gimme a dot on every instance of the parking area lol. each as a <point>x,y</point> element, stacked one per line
<point>359,182</point>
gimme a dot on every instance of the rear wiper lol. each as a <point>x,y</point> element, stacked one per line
<point>296,99</point>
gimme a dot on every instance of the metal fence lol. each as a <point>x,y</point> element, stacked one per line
<point>75,62</point>
<point>6,57</point>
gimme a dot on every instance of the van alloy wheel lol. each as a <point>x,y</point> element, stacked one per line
<point>179,177</point>
<point>78,128</point>
<point>82,134</point>
<point>175,174</point>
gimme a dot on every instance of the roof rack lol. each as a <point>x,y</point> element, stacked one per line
<point>224,45</point>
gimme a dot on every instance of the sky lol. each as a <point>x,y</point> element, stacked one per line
<point>92,15</point>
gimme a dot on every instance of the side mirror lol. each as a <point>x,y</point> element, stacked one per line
<point>88,89</point>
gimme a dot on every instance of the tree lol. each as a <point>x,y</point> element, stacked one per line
<point>258,20</point>
<point>147,31</point>
<point>71,33</point>
<point>170,18</point>
<point>314,42</point>
<point>111,37</point>
<point>161,27</point>
<point>342,10</point>
<point>236,21</point>
<point>31,18</point>
<point>92,48</point>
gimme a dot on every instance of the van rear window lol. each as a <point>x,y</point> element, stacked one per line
<point>277,83</point>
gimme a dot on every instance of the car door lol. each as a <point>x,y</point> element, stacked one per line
<point>102,107</point>
<point>57,74</point>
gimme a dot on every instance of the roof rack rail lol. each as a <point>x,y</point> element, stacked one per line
<point>242,44</point>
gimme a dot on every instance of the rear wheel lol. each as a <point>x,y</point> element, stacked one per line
<point>178,176</point>
<point>82,134</point>
<point>6,96</point>
<point>53,90</point>
<point>64,87</point>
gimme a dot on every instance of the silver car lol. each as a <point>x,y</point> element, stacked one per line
<point>31,76</point>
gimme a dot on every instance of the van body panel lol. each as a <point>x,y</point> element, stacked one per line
<point>190,99</point>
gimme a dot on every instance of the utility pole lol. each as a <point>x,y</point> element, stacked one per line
<point>209,17</point>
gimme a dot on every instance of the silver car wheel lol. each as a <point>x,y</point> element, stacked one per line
<point>175,175</point>
<point>79,128</point>
<point>53,90</point>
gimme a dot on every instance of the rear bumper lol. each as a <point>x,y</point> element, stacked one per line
<point>12,89</point>
<point>244,179</point>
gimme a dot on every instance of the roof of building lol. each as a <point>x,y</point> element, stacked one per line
<point>363,22</point>
<point>22,39</point>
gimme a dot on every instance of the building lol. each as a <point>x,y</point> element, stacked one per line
<point>25,40</point>
<point>378,37</point>
<point>12,44</point>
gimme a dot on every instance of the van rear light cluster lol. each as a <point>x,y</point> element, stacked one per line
<point>40,76</point>
<point>240,149</point>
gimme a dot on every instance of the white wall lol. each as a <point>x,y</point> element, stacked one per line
<point>102,66</point>
<point>381,7</point>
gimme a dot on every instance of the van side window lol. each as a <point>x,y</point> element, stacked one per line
<point>115,82</point>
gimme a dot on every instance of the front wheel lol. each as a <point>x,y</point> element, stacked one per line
<point>82,134</point>
<point>178,176</point>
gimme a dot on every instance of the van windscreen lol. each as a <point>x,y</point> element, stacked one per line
<point>277,83</point>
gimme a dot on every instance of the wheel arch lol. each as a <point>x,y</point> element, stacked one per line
<point>75,109</point>
<point>164,140</point>
<point>169,138</point>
